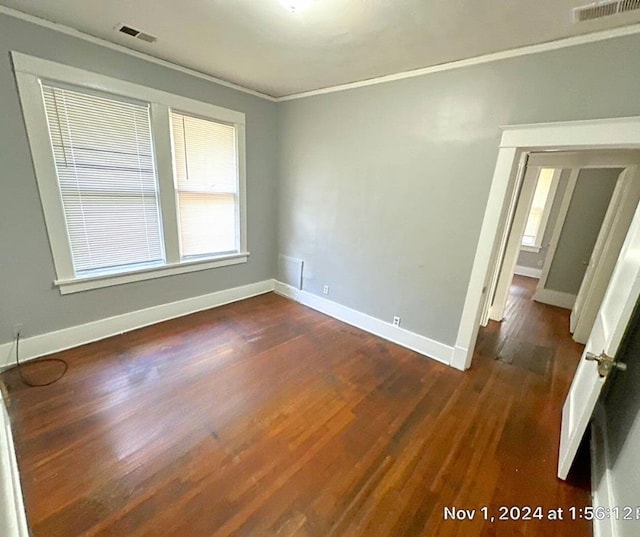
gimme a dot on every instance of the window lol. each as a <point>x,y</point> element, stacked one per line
<point>206,173</point>
<point>135,183</point>
<point>540,208</point>
<point>107,179</point>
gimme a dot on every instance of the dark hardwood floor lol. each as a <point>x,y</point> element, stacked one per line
<point>266,418</point>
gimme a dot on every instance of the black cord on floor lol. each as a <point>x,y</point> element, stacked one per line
<point>50,360</point>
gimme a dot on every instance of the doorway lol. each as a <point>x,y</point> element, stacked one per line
<point>621,293</point>
<point>569,220</point>
<point>516,144</point>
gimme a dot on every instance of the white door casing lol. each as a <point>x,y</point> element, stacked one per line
<point>512,249</point>
<point>500,245</point>
<point>509,247</point>
<point>557,230</point>
<point>608,133</point>
<point>605,253</point>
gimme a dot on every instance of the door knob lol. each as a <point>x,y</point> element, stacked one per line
<point>605,363</point>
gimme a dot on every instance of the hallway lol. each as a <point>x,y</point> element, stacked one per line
<point>533,336</point>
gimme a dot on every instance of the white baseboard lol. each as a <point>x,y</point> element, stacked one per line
<point>601,489</point>
<point>43,344</point>
<point>531,272</point>
<point>420,344</point>
<point>555,298</point>
<point>459,358</point>
<point>13,519</point>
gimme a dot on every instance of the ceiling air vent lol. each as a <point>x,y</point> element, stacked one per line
<point>133,32</point>
<point>628,5</point>
<point>604,9</point>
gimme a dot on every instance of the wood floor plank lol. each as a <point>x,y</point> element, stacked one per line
<point>266,418</point>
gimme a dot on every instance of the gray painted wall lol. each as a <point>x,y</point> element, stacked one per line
<point>581,227</point>
<point>26,266</point>
<point>383,188</point>
<point>622,405</point>
<point>536,259</point>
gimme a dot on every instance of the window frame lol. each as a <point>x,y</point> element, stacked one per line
<point>29,72</point>
<point>546,212</point>
<point>239,227</point>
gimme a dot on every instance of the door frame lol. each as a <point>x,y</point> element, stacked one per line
<point>504,269</point>
<point>557,229</point>
<point>516,140</point>
<point>613,232</point>
<point>576,162</point>
<point>572,162</point>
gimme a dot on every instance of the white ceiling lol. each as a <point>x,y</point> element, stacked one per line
<point>261,45</point>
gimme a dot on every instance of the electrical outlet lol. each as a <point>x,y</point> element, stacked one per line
<point>17,328</point>
<point>325,290</point>
<point>396,321</point>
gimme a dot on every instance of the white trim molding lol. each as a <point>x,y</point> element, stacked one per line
<point>610,133</point>
<point>561,43</point>
<point>67,338</point>
<point>13,518</point>
<point>30,71</point>
<point>477,60</point>
<point>555,298</point>
<point>459,357</point>
<point>606,133</point>
<point>95,282</point>
<point>505,172</point>
<point>558,225</point>
<point>530,272</point>
<point>49,70</point>
<point>125,50</point>
<point>410,340</point>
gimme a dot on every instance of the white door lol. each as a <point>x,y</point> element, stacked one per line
<point>611,321</point>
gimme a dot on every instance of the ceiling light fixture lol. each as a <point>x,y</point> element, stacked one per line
<point>297,5</point>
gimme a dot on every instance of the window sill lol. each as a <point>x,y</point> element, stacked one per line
<point>95,282</point>
<point>535,249</point>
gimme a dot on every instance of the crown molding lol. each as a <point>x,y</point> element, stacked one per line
<point>566,42</point>
<point>121,48</point>
<point>477,60</point>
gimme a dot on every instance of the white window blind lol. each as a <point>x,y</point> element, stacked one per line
<point>103,155</point>
<point>534,227</point>
<point>206,166</point>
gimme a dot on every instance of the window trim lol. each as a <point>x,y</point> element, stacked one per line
<point>548,204</point>
<point>29,72</point>
<point>147,273</point>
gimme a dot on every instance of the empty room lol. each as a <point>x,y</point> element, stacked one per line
<point>319,268</point>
